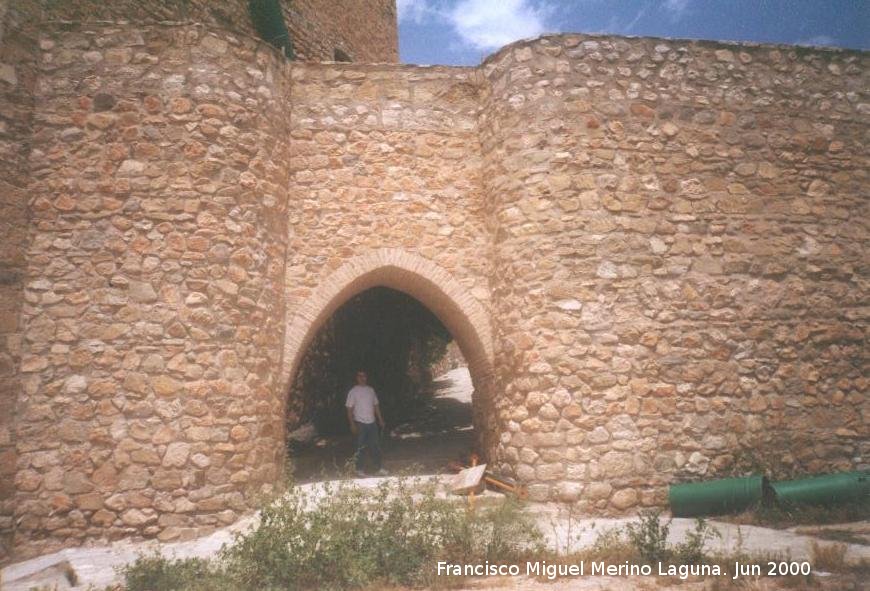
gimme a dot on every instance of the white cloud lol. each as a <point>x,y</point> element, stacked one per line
<point>490,24</point>
<point>640,14</point>
<point>819,40</point>
<point>412,10</point>
<point>676,8</point>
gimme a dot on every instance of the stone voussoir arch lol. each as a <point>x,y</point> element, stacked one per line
<point>432,285</point>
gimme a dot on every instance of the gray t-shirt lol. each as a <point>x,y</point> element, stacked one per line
<point>362,399</point>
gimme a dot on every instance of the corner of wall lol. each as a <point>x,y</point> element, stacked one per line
<point>17,78</point>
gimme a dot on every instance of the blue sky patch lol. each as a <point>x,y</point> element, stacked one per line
<point>463,32</point>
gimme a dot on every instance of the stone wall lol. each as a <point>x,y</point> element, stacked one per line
<point>452,359</point>
<point>365,30</point>
<point>680,275</point>
<point>385,174</point>
<point>651,253</point>
<point>17,78</point>
<point>159,170</point>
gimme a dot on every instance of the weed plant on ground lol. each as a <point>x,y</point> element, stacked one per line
<point>339,536</point>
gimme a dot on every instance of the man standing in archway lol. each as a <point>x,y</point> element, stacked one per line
<point>362,410</point>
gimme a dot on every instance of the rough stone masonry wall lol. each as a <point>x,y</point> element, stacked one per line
<point>681,262</point>
<point>667,238</point>
<point>366,30</point>
<point>17,78</point>
<point>385,158</point>
<point>158,197</point>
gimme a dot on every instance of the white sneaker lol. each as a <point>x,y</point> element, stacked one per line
<point>381,472</point>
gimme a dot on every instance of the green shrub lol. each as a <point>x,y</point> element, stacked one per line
<point>156,573</point>
<point>611,546</point>
<point>692,550</point>
<point>649,536</point>
<point>353,537</point>
<point>342,536</point>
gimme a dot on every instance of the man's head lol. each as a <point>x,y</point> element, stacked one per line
<point>361,378</point>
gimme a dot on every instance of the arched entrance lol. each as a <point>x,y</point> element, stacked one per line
<point>427,283</point>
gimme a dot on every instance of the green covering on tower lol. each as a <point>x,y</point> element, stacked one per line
<point>269,22</point>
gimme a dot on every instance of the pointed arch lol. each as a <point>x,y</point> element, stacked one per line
<point>432,285</point>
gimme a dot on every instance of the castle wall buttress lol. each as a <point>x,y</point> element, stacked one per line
<point>681,262</point>
<point>153,305</point>
<point>18,52</point>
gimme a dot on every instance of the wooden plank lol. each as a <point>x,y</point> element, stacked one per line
<point>467,480</point>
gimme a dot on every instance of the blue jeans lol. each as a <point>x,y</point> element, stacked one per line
<point>367,439</point>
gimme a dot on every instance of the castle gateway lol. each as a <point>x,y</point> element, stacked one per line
<point>653,254</point>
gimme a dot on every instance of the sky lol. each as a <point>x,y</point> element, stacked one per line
<point>463,32</point>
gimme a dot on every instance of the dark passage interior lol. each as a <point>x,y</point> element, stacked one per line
<point>414,366</point>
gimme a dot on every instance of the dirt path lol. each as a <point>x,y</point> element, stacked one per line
<point>423,441</point>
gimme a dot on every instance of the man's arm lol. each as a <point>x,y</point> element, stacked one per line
<point>378,414</point>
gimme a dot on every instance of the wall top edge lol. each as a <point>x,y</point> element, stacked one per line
<point>67,26</point>
<point>60,26</point>
<point>703,43</point>
<point>383,66</point>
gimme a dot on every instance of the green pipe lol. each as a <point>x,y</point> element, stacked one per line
<point>827,490</point>
<point>730,495</point>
